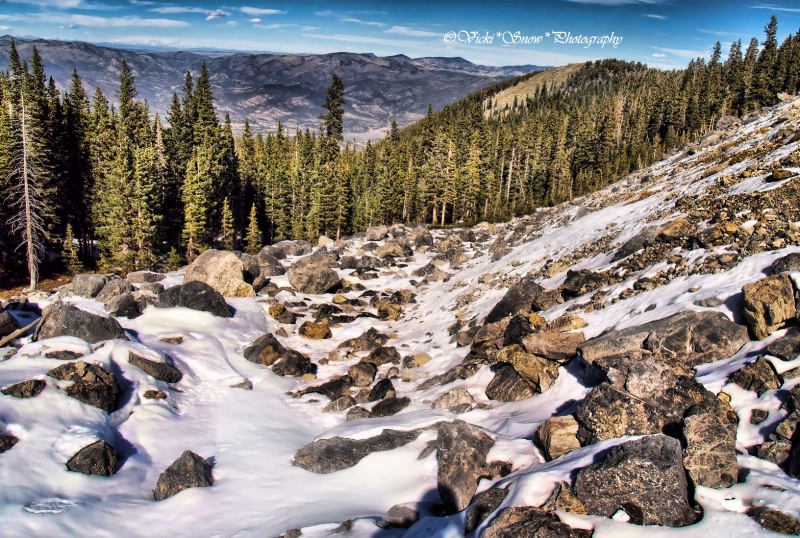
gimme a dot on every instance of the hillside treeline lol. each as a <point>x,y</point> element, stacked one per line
<point>114,187</point>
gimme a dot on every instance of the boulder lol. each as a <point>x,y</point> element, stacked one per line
<point>566,323</point>
<point>675,230</point>
<point>683,340</point>
<point>710,455</point>
<point>644,478</point>
<point>517,300</point>
<point>381,389</point>
<point>383,355</point>
<point>93,384</point>
<point>608,413</point>
<point>530,522</point>
<point>222,270</point>
<point>401,517</point>
<point>393,248</point>
<point>324,456</point>
<point>558,435</point>
<point>145,277</point>
<point>265,349</point>
<point>453,400</point>
<point>507,385</point>
<point>268,264</point>
<point>389,406</point>
<point>25,389</point>
<point>539,373</point>
<point>8,324</point>
<point>188,471</point>
<point>313,275</point>
<point>114,288</point>
<point>160,370</point>
<point>197,296</point>
<point>69,320</point>
<point>563,498</point>
<point>462,449</point>
<point>333,389</point>
<point>643,239</point>
<point>768,305</point>
<point>556,346</point>
<point>290,248</point>
<point>377,233</point>
<point>126,305</point>
<point>362,374</point>
<point>7,442</point>
<point>580,282</point>
<point>775,520</point>
<point>99,458</point>
<point>787,347</point>
<point>482,506</point>
<point>292,364</point>
<point>758,376</point>
<point>315,331</point>
<point>340,404</point>
<point>388,311</point>
<point>787,264</point>
<point>88,285</point>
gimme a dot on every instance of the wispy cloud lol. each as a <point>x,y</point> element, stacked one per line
<point>359,21</point>
<point>175,10</point>
<point>658,55</point>
<point>773,7</point>
<point>254,20</point>
<point>274,26</point>
<point>108,22</point>
<point>260,12</point>
<point>658,17</point>
<point>66,4</point>
<point>231,23</point>
<point>619,2</point>
<point>719,33</point>
<point>217,14</point>
<point>412,32</point>
<point>682,53</point>
<point>350,16</point>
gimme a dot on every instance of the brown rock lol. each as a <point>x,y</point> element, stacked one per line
<point>758,376</point>
<point>222,270</point>
<point>539,373</point>
<point>527,521</point>
<point>768,305</point>
<point>462,450</point>
<point>555,346</point>
<point>315,331</point>
<point>507,385</point>
<point>558,436</point>
<point>566,323</point>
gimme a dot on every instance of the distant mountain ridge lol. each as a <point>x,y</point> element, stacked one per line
<point>268,88</point>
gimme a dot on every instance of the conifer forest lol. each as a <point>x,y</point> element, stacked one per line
<point>94,181</point>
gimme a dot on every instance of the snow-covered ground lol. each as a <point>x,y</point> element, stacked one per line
<point>250,436</point>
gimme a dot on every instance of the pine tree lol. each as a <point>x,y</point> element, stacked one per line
<point>228,231</point>
<point>253,239</point>
<point>70,253</point>
<point>195,203</point>
<point>174,260</point>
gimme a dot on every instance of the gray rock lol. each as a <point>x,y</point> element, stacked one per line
<point>340,404</point>
<point>224,271</point>
<point>312,274</point>
<point>786,264</point>
<point>357,413</point>
<point>362,373</point>
<point>383,355</point>
<point>683,340</point>
<point>324,456</point>
<point>555,346</point>
<point>377,233</point>
<point>8,324</point>
<point>197,296</point>
<point>454,399</point>
<point>88,285</point>
<point>145,277</point>
<point>558,436</point>
<point>126,306</point>
<point>710,455</point>
<point>482,506</point>
<point>69,320</point>
<point>269,264</point>
<point>517,300</point>
<point>160,370</point>
<point>265,349</point>
<point>93,384</point>
<point>758,376</point>
<point>507,385</point>
<point>381,389</point>
<point>462,450</point>
<point>153,287</point>
<point>290,248</point>
<point>530,522</point>
<point>768,305</point>
<point>644,478</point>
<point>292,364</point>
<point>787,347</point>
<point>389,406</point>
<point>7,442</point>
<point>333,389</point>
<point>394,248</point>
<point>25,389</point>
<point>114,288</point>
<point>639,241</point>
<point>580,282</point>
<point>401,517</point>
<point>99,458</point>
<point>608,413</point>
<point>188,471</point>
<point>778,451</point>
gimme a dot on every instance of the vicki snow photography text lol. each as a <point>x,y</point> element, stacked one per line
<point>520,38</point>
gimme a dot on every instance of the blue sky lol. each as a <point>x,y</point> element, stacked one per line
<point>664,33</point>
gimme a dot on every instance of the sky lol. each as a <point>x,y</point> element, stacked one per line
<point>661,33</point>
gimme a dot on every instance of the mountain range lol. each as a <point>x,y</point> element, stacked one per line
<point>269,88</point>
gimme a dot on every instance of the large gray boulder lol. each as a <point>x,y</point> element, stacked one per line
<point>266,349</point>
<point>197,296</point>
<point>114,288</point>
<point>325,456</point>
<point>644,478</point>
<point>312,274</point>
<point>69,320</point>
<point>8,323</point>
<point>145,277</point>
<point>222,270</point>
<point>188,471</point>
<point>269,265</point>
<point>99,459</point>
<point>88,285</point>
<point>462,449</point>
<point>517,300</point>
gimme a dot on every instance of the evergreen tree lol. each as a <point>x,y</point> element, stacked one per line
<point>253,239</point>
<point>69,253</point>
<point>195,202</point>
<point>228,230</point>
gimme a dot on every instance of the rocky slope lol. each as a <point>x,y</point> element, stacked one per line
<point>628,359</point>
<point>268,88</point>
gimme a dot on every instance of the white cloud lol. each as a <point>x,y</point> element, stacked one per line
<point>719,33</point>
<point>254,20</point>
<point>174,10</point>
<point>258,11</point>
<point>359,21</point>
<point>683,53</point>
<point>231,23</point>
<point>217,14</point>
<point>413,32</point>
<point>773,7</point>
<point>273,26</point>
<point>658,17</point>
<point>658,55</point>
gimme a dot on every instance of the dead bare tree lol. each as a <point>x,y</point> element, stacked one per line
<point>25,198</point>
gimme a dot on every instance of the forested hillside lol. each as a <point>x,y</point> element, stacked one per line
<point>155,192</point>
